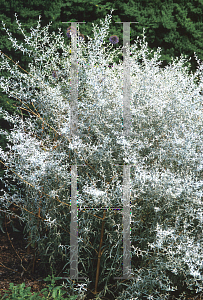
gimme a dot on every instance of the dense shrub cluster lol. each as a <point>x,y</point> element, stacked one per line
<point>164,150</point>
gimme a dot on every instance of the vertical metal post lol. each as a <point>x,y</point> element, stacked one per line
<point>126,168</point>
<point>74,226</point>
<point>73,133</point>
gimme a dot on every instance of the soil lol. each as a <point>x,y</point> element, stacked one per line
<point>16,263</point>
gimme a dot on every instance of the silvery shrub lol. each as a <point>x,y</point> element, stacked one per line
<point>164,151</point>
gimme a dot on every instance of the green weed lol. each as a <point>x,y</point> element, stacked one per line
<point>50,292</point>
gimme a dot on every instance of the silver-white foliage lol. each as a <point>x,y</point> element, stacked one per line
<point>165,149</point>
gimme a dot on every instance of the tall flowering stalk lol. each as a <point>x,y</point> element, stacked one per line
<point>165,151</point>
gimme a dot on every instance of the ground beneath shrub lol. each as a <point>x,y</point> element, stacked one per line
<point>16,264</point>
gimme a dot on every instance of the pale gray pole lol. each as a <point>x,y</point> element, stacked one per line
<point>126,168</point>
<point>73,133</point>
